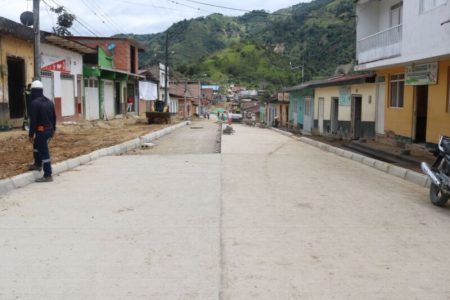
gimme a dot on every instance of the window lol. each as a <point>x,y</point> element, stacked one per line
<point>397,85</point>
<point>91,83</point>
<point>426,5</point>
<point>308,106</point>
<point>397,14</point>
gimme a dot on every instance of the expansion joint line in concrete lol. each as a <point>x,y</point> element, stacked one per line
<point>221,238</point>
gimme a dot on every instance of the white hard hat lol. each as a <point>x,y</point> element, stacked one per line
<point>37,85</point>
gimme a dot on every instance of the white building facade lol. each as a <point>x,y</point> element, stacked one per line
<point>62,75</point>
<point>407,44</point>
<point>393,32</point>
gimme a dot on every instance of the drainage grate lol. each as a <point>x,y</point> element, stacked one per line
<point>196,127</point>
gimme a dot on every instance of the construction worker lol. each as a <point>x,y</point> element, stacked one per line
<point>42,129</point>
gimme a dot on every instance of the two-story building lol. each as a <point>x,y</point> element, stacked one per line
<point>111,77</point>
<point>407,43</point>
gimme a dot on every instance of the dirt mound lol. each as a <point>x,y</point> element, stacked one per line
<point>71,140</point>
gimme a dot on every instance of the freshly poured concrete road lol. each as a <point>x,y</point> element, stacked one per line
<point>269,218</point>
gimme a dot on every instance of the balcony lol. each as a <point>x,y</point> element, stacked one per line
<point>381,45</point>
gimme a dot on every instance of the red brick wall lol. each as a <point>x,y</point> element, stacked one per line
<point>58,108</point>
<point>122,58</point>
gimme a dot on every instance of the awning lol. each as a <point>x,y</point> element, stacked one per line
<point>107,73</point>
<point>121,72</point>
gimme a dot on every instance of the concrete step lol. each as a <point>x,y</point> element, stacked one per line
<point>381,154</point>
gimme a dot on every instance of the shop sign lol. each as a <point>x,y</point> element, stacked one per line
<point>422,74</point>
<point>50,63</point>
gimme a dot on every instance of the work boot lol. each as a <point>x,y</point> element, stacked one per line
<point>45,179</point>
<point>33,167</point>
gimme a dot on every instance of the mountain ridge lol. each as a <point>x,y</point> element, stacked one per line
<point>319,35</point>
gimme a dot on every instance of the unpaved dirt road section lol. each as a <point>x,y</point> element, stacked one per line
<point>70,141</point>
<point>200,137</point>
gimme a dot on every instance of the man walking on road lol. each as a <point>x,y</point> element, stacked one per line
<point>42,129</point>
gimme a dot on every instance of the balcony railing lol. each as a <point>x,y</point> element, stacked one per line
<point>381,45</point>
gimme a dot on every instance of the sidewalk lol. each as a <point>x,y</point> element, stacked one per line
<point>382,151</point>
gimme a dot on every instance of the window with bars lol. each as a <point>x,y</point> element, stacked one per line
<point>307,106</point>
<point>427,5</point>
<point>397,90</point>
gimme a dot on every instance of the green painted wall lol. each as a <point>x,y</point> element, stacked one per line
<point>103,59</point>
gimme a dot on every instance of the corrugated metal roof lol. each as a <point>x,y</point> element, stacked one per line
<point>335,80</point>
<point>11,28</point>
<point>68,44</point>
<point>14,29</point>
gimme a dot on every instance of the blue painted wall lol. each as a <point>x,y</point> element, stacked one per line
<point>296,98</point>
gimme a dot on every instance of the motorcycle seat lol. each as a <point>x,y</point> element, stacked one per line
<point>446,145</point>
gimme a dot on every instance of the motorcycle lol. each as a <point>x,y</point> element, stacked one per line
<point>439,173</point>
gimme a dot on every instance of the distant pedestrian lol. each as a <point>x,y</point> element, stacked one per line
<point>129,104</point>
<point>42,129</point>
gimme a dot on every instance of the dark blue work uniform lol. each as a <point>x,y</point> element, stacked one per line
<point>42,128</point>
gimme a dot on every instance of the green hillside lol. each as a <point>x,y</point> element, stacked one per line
<point>256,48</point>
<point>243,63</point>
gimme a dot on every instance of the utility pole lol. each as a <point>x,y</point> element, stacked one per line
<point>37,41</point>
<point>199,98</point>
<point>185,100</point>
<point>166,68</point>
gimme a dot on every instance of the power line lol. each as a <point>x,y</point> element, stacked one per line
<point>234,8</point>
<point>79,20</point>
<point>50,16</point>
<point>110,20</point>
<point>219,6</point>
<point>188,6</point>
<point>92,8</point>
<point>147,5</point>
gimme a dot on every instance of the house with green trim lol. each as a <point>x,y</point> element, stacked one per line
<point>111,77</point>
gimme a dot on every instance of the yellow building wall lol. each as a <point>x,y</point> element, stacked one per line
<point>327,93</point>
<point>401,120</point>
<point>438,122</point>
<point>284,114</point>
<point>398,119</point>
<point>368,93</point>
<point>13,47</point>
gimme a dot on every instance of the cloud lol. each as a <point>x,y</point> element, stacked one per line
<point>108,17</point>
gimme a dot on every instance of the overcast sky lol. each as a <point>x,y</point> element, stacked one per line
<point>108,17</point>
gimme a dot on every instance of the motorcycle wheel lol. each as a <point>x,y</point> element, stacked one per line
<point>437,197</point>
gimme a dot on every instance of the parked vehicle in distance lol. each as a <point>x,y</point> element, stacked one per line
<point>235,117</point>
<point>439,173</point>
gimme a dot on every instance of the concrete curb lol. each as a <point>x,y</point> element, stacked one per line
<point>9,184</point>
<point>281,131</point>
<point>408,175</point>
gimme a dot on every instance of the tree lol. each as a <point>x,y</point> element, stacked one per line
<point>65,21</point>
